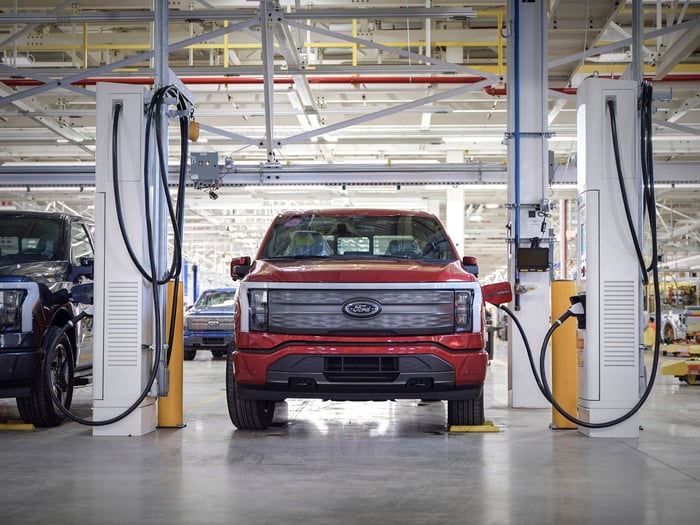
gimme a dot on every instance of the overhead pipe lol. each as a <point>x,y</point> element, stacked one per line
<point>346,79</point>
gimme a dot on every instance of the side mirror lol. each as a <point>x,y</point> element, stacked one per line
<point>470,265</point>
<point>86,268</point>
<point>497,293</point>
<point>82,293</point>
<point>240,266</point>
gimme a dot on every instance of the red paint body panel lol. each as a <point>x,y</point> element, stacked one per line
<point>357,270</point>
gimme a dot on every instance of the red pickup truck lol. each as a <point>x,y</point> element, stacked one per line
<point>356,304</point>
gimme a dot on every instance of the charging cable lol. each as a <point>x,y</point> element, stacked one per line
<point>176,215</point>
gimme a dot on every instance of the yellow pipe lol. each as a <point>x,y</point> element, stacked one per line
<point>85,45</point>
<point>170,406</point>
<point>226,46</point>
<point>354,44</point>
<point>336,45</point>
<point>564,365</point>
<point>501,68</point>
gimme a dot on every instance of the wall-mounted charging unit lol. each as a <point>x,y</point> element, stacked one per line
<point>123,357</point>
<point>608,272</point>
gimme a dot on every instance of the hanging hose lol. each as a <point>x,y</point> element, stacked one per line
<point>154,111</point>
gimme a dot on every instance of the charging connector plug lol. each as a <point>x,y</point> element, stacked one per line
<point>578,308</point>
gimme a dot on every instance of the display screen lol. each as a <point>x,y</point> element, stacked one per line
<point>533,259</point>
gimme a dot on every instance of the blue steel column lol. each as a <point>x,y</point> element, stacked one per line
<point>527,184</point>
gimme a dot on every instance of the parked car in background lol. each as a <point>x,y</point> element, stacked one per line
<point>209,323</point>
<point>42,256</point>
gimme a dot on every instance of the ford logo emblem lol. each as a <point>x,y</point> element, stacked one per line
<point>213,322</point>
<point>362,308</point>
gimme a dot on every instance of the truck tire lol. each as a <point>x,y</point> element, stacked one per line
<point>57,374</point>
<point>188,355</point>
<point>246,414</point>
<point>468,412</point>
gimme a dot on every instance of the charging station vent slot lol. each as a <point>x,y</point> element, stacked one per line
<point>618,323</point>
<point>122,309</point>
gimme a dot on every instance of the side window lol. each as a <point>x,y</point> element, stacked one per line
<point>80,241</point>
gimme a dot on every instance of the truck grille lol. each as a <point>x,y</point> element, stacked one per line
<point>400,312</point>
<point>361,368</point>
<point>211,323</point>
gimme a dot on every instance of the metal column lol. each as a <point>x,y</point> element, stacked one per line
<point>527,178</point>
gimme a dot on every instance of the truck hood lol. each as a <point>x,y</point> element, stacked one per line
<point>327,270</point>
<point>43,271</point>
<point>226,311</point>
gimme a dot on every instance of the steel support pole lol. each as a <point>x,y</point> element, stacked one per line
<point>527,181</point>
<point>267,12</point>
<point>160,43</point>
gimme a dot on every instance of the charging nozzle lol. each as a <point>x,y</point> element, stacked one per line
<point>578,308</point>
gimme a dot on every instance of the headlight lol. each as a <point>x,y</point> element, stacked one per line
<point>11,309</point>
<point>463,310</point>
<point>258,310</point>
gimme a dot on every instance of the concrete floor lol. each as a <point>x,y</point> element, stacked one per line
<point>368,463</point>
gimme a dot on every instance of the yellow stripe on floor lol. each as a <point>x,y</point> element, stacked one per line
<point>488,426</point>
<point>16,424</point>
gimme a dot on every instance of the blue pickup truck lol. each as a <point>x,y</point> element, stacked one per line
<point>209,323</point>
<point>43,345</point>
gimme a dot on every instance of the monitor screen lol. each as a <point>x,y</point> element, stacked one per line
<point>533,259</point>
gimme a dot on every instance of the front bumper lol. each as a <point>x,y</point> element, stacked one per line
<point>18,372</point>
<point>360,373</point>
<point>206,340</point>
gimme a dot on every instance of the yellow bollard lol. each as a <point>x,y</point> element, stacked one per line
<point>564,366</point>
<point>170,406</point>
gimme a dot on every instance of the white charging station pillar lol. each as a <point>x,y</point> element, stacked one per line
<point>608,271</point>
<point>123,330</point>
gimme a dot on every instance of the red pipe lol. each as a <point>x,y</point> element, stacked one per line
<point>352,80</point>
<point>26,82</point>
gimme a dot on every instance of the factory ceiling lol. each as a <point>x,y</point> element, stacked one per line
<point>370,104</point>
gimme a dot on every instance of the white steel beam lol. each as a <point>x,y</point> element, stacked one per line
<point>96,72</point>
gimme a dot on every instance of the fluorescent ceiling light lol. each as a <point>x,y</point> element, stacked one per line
<point>472,139</point>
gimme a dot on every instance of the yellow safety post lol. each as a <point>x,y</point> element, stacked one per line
<point>564,365</point>
<point>170,406</point>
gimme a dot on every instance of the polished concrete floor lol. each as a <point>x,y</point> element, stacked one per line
<point>365,463</point>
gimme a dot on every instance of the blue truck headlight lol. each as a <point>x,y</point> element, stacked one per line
<point>11,309</point>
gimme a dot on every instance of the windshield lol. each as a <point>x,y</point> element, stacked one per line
<point>398,236</point>
<point>30,238</point>
<point>215,298</point>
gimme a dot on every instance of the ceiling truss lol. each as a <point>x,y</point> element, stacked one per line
<point>367,105</point>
